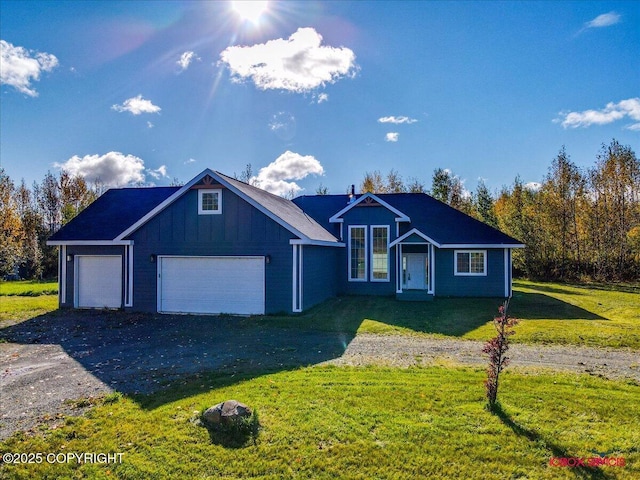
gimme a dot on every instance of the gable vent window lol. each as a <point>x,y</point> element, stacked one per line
<point>470,262</point>
<point>209,202</point>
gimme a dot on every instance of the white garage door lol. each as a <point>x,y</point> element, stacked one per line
<point>98,281</point>
<point>211,285</point>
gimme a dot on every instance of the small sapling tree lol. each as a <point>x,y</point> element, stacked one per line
<point>496,349</point>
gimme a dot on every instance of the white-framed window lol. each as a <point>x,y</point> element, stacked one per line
<point>357,253</point>
<point>209,201</point>
<point>379,253</point>
<point>470,262</point>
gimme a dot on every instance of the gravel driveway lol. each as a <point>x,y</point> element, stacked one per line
<point>48,361</point>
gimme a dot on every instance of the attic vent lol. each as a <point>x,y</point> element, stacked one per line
<point>207,180</point>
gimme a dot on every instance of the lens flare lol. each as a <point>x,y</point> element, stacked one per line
<point>250,10</point>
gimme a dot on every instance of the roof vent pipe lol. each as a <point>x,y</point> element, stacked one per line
<point>352,195</point>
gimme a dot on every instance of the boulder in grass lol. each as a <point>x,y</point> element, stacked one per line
<point>226,413</point>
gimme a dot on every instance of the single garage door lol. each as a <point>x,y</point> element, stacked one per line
<point>211,285</point>
<point>98,281</point>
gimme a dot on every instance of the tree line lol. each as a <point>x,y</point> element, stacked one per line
<point>29,216</point>
<point>578,224</point>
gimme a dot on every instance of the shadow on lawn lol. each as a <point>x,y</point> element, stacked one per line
<point>580,471</point>
<point>145,353</point>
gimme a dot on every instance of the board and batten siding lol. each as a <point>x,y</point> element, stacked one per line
<point>450,285</point>
<point>240,230</point>
<point>320,268</point>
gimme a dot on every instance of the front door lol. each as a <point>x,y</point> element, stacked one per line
<point>415,271</point>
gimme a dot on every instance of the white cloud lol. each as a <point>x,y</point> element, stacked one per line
<point>276,176</point>
<point>321,98</point>
<point>136,106</point>
<point>610,113</point>
<point>191,160</point>
<point>284,125</point>
<point>113,169</point>
<point>185,60</point>
<point>397,120</point>
<point>19,66</point>
<point>297,64</point>
<point>150,125</point>
<point>391,137</point>
<point>604,20</point>
<point>533,186</point>
<point>159,172</point>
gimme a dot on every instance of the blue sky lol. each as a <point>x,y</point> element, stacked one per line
<point>315,92</point>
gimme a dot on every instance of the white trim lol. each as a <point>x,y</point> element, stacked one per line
<point>401,216</point>
<point>469,274</point>
<point>168,201</point>
<point>218,177</point>
<point>297,279</point>
<point>481,245</point>
<point>371,277</point>
<point>399,269</point>
<point>62,276</point>
<point>90,242</point>
<point>130,269</point>
<point>411,232</point>
<point>294,280</point>
<point>432,270</point>
<point>317,243</point>
<point>300,278</point>
<point>217,211</point>
<point>506,273</point>
<point>366,254</point>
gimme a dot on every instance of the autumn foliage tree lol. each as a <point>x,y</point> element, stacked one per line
<point>496,349</point>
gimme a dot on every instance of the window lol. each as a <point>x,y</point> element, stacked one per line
<point>357,253</point>
<point>209,202</point>
<point>380,254</point>
<point>470,262</point>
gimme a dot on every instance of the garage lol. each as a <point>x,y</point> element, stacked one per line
<point>211,285</point>
<point>98,281</point>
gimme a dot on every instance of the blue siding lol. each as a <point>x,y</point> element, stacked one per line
<point>87,250</point>
<point>320,267</point>
<point>450,285</point>
<point>368,216</point>
<point>241,230</point>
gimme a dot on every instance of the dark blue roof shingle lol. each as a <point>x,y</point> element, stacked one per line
<point>112,213</point>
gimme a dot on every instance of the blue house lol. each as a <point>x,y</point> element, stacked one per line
<point>218,245</point>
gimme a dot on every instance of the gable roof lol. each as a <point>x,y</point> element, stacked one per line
<point>400,216</point>
<point>120,212</point>
<point>111,213</point>
<point>291,216</point>
<point>442,224</point>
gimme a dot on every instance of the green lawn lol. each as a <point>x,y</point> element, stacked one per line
<point>375,422</point>
<point>358,423</point>
<point>549,313</point>
<point>21,300</point>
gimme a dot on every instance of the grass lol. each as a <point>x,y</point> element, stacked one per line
<point>28,288</point>
<point>549,313</point>
<point>20,300</point>
<point>357,423</point>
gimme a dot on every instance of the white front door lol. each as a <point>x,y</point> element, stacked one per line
<point>415,274</point>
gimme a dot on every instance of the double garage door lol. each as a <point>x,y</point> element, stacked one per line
<point>211,285</point>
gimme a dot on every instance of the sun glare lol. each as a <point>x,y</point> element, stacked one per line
<point>250,9</point>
